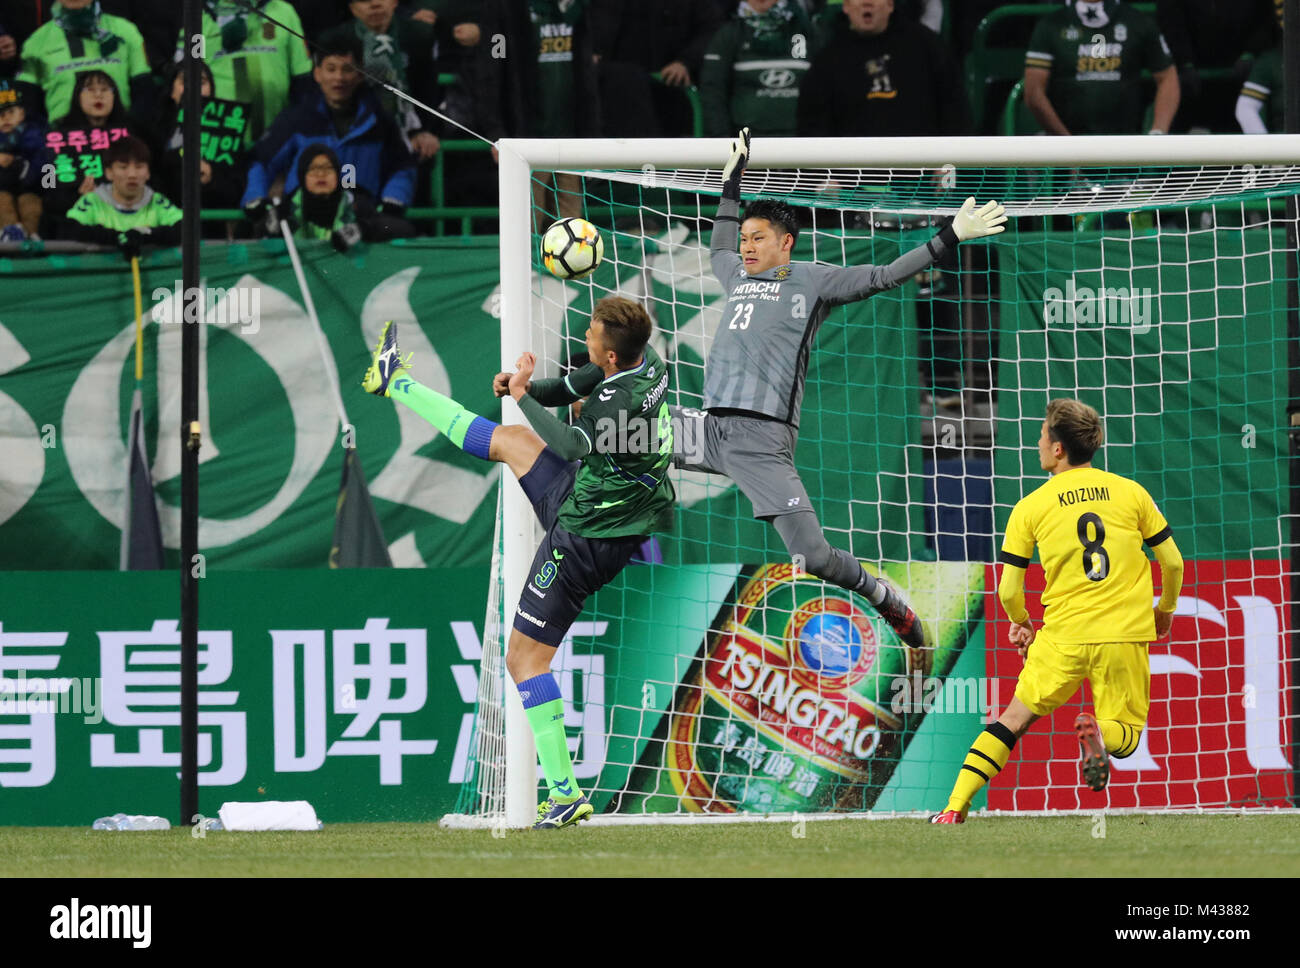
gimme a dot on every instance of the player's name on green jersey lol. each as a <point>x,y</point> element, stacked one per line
<point>622,487</point>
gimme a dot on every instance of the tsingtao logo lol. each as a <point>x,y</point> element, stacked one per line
<point>833,639</point>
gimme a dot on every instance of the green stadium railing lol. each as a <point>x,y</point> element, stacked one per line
<point>440,212</point>
<point>692,95</point>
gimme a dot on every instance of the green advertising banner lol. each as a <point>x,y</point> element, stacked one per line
<point>355,690</point>
<point>758,689</point>
<point>1179,340</point>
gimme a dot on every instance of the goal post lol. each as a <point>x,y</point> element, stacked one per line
<point>577,154</point>
<point>520,533</point>
<point>1211,244</point>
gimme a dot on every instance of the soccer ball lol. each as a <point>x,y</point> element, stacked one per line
<point>572,248</point>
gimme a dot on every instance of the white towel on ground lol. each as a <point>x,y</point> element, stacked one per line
<point>269,815</point>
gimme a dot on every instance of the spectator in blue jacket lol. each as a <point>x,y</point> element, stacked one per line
<point>377,161</point>
<point>22,152</point>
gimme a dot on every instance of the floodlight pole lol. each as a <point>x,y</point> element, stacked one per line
<point>192,316</point>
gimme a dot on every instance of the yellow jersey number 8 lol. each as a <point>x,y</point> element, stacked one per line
<point>1096,560</point>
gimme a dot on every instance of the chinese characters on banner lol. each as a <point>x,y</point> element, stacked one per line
<point>27,757</point>
<point>344,692</point>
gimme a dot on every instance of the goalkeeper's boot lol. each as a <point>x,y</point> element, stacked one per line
<point>895,610</point>
<point>385,363</point>
<point>557,813</point>
<point>949,816</point>
<point>1095,763</point>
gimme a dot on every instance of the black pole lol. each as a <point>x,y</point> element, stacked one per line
<point>1291,121</point>
<point>192,314</point>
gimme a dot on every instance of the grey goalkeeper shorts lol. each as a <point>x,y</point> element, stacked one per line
<point>757,454</point>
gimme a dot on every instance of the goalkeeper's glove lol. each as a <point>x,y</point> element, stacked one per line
<point>973,223</point>
<point>736,166</point>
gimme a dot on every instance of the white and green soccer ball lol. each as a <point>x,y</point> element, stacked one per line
<point>572,248</point>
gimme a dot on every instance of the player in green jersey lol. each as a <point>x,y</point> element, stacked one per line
<point>599,487</point>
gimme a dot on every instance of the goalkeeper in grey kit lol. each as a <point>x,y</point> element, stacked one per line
<point>754,374</point>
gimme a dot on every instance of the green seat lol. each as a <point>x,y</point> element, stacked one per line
<point>997,53</point>
<point>1016,116</point>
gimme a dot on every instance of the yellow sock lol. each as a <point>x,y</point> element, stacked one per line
<point>1120,739</point>
<point>988,754</point>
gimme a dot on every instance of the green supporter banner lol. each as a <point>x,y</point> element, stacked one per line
<point>273,449</point>
<point>1179,340</point>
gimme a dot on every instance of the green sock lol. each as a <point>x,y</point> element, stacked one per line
<point>547,720</point>
<point>468,431</point>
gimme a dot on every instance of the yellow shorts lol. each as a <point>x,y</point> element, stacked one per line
<point>1119,672</point>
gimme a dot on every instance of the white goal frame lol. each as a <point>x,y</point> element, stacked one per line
<point>519,158</point>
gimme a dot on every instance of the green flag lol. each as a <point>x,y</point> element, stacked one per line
<point>358,538</point>
<point>142,546</point>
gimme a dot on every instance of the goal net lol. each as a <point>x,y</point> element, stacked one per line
<point>1152,278</point>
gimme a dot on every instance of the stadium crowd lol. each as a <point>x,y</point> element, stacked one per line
<point>87,86</point>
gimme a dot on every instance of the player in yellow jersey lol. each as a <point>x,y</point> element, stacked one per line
<point>1089,526</point>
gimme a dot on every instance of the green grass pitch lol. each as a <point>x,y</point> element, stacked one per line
<point>1132,846</point>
